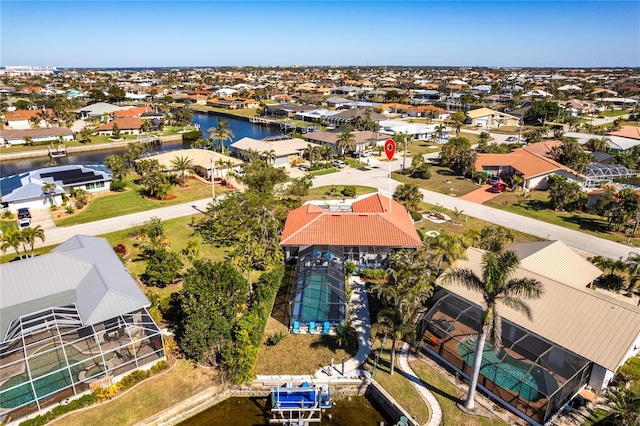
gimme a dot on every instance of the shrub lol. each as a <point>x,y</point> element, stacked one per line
<point>162,268</point>
<point>276,338</point>
<point>630,370</point>
<point>349,191</point>
<point>158,367</point>
<point>6,214</point>
<point>373,274</point>
<point>320,166</point>
<point>417,217</point>
<point>120,249</point>
<point>191,136</point>
<point>58,411</point>
<point>349,268</point>
<point>612,282</point>
<point>132,379</point>
<point>118,186</point>
<point>69,208</point>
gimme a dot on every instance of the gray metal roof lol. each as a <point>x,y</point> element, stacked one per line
<point>83,271</point>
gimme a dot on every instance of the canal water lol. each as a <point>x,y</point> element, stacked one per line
<point>254,411</point>
<point>240,129</point>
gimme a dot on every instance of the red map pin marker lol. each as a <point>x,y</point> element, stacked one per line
<point>390,148</point>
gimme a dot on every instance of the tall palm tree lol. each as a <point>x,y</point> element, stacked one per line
<point>346,141</point>
<point>182,164</point>
<point>221,134</point>
<point>447,248</point>
<point>633,267</point>
<point>496,285</point>
<point>49,189</point>
<point>392,322</point>
<point>29,236</point>
<point>269,156</point>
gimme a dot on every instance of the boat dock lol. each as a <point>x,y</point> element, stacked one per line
<point>299,405</point>
<point>58,151</point>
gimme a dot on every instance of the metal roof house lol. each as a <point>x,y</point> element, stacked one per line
<point>25,189</point>
<point>577,336</point>
<point>69,320</point>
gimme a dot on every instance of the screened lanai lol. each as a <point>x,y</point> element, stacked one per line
<point>529,373</point>
<point>50,355</point>
<point>318,293</point>
<point>598,174</point>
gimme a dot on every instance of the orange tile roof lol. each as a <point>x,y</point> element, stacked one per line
<point>543,148</point>
<point>632,132</point>
<point>528,163</point>
<point>124,123</point>
<point>132,112</point>
<point>369,223</point>
<point>23,114</point>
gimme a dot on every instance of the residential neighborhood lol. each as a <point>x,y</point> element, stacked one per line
<point>315,213</point>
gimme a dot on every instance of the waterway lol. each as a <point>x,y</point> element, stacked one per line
<point>358,411</point>
<point>240,129</point>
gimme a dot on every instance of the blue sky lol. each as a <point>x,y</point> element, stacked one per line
<point>217,33</point>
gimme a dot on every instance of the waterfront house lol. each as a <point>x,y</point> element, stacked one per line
<point>576,337</point>
<point>348,116</point>
<point>70,320</point>
<point>42,135</point>
<point>23,118</point>
<point>205,162</point>
<point>320,236</point>
<point>131,112</point>
<point>417,131</point>
<point>25,189</point>
<point>99,109</point>
<point>286,151</point>
<point>363,139</point>
<point>127,125</point>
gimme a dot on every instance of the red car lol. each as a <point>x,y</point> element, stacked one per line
<point>498,187</point>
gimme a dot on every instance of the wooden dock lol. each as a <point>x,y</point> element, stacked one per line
<point>58,151</point>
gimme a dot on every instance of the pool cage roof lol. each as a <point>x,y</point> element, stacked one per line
<point>607,172</point>
<point>542,376</point>
<point>50,355</point>
<point>318,293</point>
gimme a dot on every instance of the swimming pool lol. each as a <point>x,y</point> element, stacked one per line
<point>507,372</point>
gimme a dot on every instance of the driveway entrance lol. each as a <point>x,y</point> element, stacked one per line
<point>480,195</point>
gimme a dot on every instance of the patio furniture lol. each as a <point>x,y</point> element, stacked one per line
<point>296,326</point>
<point>312,327</point>
<point>326,327</point>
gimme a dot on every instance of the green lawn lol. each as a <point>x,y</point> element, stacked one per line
<point>324,171</point>
<point>615,112</point>
<point>8,224</point>
<point>467,223</point>
<point>397,385</point>
<point>131,201</point>
<point>442,180</point>
<point>448,395</point>
<point>536,206</point>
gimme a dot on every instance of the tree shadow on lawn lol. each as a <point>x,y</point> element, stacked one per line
<point>587,223</point>
<point>445,172</point>
<point>536,205</point>
<point>329,342</point>
<point>385,365</point>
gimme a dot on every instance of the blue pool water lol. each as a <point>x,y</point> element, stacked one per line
<point>506,371</point>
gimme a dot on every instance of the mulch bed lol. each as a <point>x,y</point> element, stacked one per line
<point>168,198</point>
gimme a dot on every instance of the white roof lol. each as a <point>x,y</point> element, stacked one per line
<point>83,270</point>
<point>246,144</point>
<point>589,323</point>
<point>617,142</point>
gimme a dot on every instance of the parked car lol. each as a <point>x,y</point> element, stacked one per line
<point>24,213</point>
<point>498,187</point>
<point>25,222</point>
<point>512,139</point>
<point>304,167</point>
<point>339,164</point>
<point>494,179</point>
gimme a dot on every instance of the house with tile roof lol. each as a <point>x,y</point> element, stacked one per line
<point>131,112</point>
<point>530,162</point>
<point>486,117</point>
<point>22,118</point>
<point>576,337</point>
<point>11,137</point>
<point>320,236</point>
<point>130,125</point>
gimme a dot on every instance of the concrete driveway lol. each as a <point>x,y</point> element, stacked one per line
<point>480,195</point>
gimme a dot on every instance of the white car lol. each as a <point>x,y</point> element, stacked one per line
<point>511,139</point>
<point>339,164</point>
<point>24,222</point>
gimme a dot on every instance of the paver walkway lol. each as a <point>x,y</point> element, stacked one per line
<point>434,406</point>
<point>480,195</point>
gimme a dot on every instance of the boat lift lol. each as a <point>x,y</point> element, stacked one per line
<point>299,405</point>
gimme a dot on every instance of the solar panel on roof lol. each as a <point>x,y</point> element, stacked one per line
<point>10,184</point>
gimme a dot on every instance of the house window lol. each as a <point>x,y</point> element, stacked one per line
<point>94,185</point>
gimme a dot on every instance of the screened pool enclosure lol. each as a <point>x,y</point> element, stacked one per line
<point>50,355</point>
<point>318,293</point>
<point>529,373</point>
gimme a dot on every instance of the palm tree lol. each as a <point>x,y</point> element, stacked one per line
<point>447,247</point>
<point>392,322</point>
<point>345,333</point>
<point>408,195</point>
<point>497,284</point>
<point>13,239</point>
<point>598,144</point>
<point>633,267</point>
<point>48,189</point>
<point>222,133</point>
<point>29,236</point>
<point>625,402</point>
<point>182,164</point>
<point>269,156</point>
<point>346,141</point>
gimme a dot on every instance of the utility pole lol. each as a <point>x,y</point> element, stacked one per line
<point>213,181</point>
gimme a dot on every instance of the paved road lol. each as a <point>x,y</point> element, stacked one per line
<point>375,175</point>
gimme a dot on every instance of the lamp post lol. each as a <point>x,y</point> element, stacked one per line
<point>213,181</point>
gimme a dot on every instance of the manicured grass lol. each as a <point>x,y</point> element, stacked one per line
<point>148,398</point>
<point>447,395</point>
<point>324,192</point>
<point>131,201</point>
<point>298,353</point>
<point>324,171</point>
<point>467,224</point>
<point>598,418</point>
<point>615,112</point>
<point>536,206</point>
<point>11,256</point>
<point>442,180</point>
<point>8,224</point>
<point>397,385</point>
